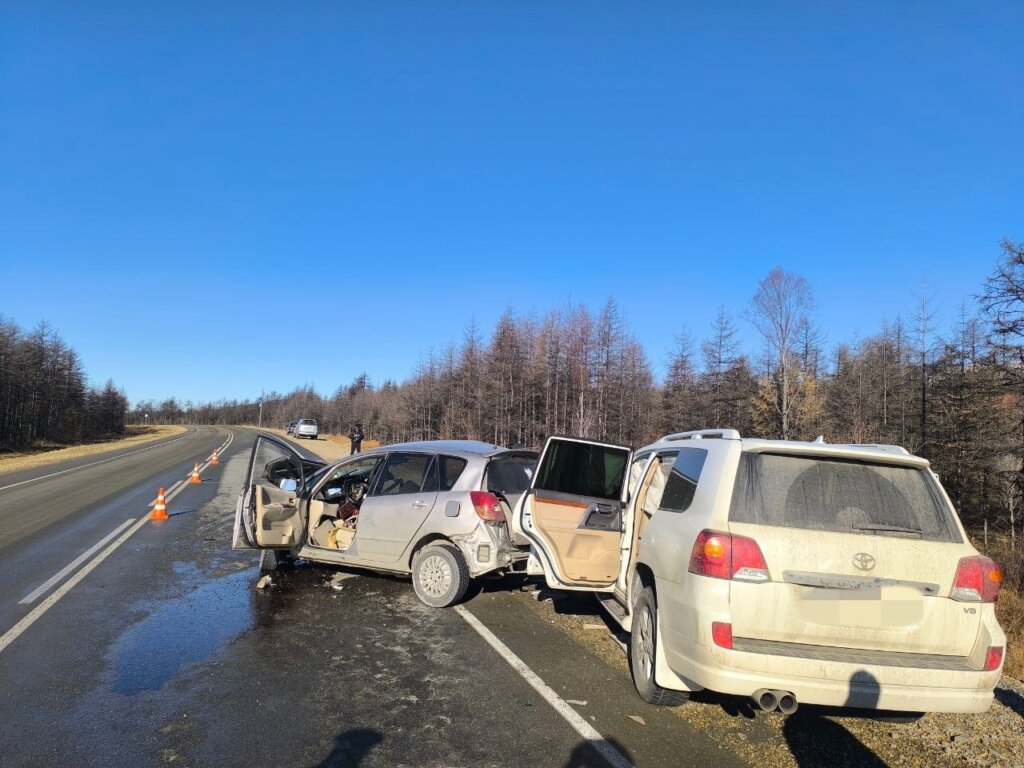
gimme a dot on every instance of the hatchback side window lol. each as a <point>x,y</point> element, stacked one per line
<point>681,485</point>
<point>449,469</point>
<point>403,473</point>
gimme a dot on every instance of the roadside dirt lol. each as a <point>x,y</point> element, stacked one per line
<point>327,446</point>
<point>134,435</point>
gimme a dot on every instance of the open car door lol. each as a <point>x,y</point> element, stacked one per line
<point>268,514</point>
<point>572,513</point>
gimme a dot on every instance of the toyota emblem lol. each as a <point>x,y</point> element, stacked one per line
<point>864,561</point>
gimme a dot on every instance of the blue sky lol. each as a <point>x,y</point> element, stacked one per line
<point>210,199</point>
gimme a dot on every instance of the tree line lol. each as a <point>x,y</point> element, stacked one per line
<point>44,395</point>
<point>953,395</point>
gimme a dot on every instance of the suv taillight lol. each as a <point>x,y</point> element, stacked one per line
<point>726,556</point>
<point>977,580</point>
<point>487,506</point>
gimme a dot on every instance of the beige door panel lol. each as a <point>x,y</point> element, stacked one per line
<point>278,522</point>
<point>581,554</point>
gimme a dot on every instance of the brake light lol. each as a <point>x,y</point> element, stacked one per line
<point>977,580</point>
<point>725,556</point>
<point>721,633</point>
<point>487,506</point>
<point>993,658</point>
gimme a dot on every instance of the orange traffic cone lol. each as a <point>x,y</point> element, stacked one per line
<point>160,508</point>
<point>214,459</point>
<point>194,477</point>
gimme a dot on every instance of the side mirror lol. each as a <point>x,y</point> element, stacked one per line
<point>289,485</point>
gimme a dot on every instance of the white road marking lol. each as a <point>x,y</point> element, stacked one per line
<point>32,616</point>
<point>94,463</point>
<point>46,585</point>
<point>615,758</point>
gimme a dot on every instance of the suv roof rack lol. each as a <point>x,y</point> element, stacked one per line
<point>703,434</point>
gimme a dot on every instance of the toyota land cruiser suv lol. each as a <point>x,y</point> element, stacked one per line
<point>788,572</point>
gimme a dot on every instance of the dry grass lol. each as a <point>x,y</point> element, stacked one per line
<point>45,454</point>
<point>1010,610</point>
<point>1010,605</point>
<point>328,447</point>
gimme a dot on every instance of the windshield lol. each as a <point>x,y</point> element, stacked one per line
<point>828,494</point>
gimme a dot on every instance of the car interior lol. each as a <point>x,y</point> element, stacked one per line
<point>334,507</point>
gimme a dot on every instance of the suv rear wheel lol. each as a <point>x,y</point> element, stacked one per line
<point>643,645</point>
<point>439,575</point>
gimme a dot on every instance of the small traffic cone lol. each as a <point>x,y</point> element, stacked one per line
<point>160,508</point>
<point>194,477</point>
<point>213,458</point>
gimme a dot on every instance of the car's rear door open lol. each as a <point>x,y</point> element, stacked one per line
<point>572,513</point>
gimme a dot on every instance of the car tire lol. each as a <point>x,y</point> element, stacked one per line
<point>268,560</point>
<point>642,649</point>
<point>440,576</point>
<point>273,559</point>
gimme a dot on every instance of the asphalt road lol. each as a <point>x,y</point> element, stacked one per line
<point>164,652</point>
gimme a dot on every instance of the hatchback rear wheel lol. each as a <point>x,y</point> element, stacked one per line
<point>440,576</point>
<point>643,646</point>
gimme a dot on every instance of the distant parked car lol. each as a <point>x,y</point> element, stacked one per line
<point>789,572</point>
<point>306,428</point>
<point>434,510</point>
<point>289,428</point>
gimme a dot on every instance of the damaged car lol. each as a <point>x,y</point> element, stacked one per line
<point>435,511</point>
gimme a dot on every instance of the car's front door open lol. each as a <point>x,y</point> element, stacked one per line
<point>269,512</point>
<point>572,513</point>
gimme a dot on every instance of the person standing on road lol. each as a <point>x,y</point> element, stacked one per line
<point>356,436</point>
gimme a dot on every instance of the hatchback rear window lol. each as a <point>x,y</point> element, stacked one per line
<point>826,494</point>
<point>510,475</point>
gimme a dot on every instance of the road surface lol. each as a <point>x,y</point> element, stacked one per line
<point>135,642</point>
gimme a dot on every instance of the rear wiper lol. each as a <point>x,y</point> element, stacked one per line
<point>886,528</point>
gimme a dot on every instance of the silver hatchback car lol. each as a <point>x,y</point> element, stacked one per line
<point>433,510</point>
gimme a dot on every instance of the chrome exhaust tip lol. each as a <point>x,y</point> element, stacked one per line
<point>765,700</point>
<point>786,701</point>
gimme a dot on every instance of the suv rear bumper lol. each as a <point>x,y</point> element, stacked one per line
<point>837,684</point>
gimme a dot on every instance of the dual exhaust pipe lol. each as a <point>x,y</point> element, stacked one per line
<point>770,700</point>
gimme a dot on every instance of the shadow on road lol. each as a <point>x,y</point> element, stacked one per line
<point>1011,699</point>
<point>815,741</point>
<point>350,747</point>
<point>588,754</point>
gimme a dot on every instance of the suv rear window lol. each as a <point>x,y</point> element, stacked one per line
<point>827,494</point>
<point>583,469</point>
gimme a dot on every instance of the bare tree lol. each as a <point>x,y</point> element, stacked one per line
<point>780,312</point>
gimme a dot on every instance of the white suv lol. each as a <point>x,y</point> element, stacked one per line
<point>789,572</point>
<point>306,428</point>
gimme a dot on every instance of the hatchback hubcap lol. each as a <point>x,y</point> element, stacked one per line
<point>435,576</point>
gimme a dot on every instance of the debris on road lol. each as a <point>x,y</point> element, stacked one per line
<point>264,582</point>
<point>637,719</point>
<point>576,703</point>
<point>335,581</point>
